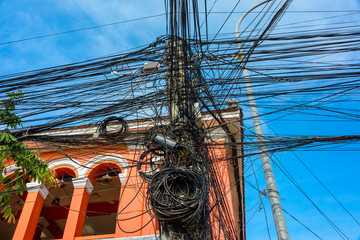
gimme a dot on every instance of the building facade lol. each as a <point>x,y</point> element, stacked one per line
<point>100,194</point>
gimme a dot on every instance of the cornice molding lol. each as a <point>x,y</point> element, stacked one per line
<point>83,183</point>
<point>37,187</point>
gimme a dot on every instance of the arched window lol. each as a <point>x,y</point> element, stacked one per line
<point>95,200</point>
<point>55,209</point>
<point>104,199</point>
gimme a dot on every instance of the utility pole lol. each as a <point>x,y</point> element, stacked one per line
<point>273,193</point>
<point>182,116</point>
<point>177,97</point>
<point>179,190</point>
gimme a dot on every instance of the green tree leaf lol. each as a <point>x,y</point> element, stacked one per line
<point>11,149</point>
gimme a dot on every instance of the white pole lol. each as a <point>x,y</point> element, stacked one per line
<point>279,219</point>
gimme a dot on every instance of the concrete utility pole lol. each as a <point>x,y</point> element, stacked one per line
<point>177,89</point>
<point>273,193</point>
<point>181,104</point>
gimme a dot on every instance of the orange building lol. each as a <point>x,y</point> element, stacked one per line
<point>100,194</point>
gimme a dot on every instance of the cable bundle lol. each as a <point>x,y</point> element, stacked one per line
<point>178,197</point>
<point>112,131</point>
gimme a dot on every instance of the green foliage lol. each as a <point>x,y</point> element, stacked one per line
<point>32,167</point>
<point>7,116</point>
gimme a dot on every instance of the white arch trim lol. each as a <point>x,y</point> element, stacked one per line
<point>100,158</point>
<point>11,168</point>
<point>55,163</point>
<point>82,170</point>
<point>66,162</point>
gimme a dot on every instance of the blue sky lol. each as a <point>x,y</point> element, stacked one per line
<point>338,170</point>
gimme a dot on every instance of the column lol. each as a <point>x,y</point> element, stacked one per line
<point>30,214</point>
<point>118,231</point>
<point>79,202</point>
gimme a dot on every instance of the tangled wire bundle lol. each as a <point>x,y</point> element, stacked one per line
<point>151,161</point>
<point>113,131</point>
<point>177,197</point>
